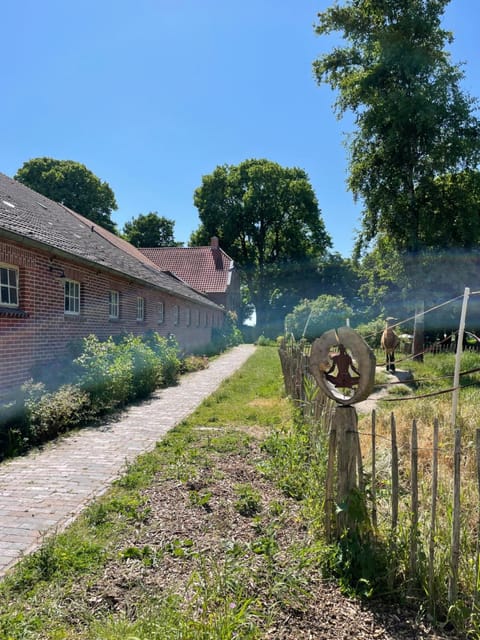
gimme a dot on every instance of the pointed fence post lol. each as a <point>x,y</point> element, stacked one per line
<point>455,551</point>
<point>414,504</point>
<point>373,488</point>
<point>395,475</point>
<point>476,599</point>
<point>458,357</point>
<point>433,517</point>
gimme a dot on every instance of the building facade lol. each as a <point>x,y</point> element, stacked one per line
<point>63,278</point>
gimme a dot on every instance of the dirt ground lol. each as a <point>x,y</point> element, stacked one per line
<point>196,522</point>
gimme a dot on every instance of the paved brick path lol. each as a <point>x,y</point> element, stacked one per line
<point>46,489</point>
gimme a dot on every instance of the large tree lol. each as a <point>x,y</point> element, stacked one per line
<point>268,220</point>
<point>413,122</point>
<point>72,184</point>
<point>414,126</point>
<point>150,230</point>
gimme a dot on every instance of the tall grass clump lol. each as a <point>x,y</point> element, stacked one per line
<point>430,399</point>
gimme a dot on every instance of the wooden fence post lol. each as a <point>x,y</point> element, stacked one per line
<point>455,551</point>
<point>347,464</point>
<point>329,499</point>
<point>414,502</point>
<point>374,469</point>
<point>395,482</point>
<point>433,516</point>
<point>476,597</point>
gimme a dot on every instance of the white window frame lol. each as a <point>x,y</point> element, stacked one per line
<point>71,298</point>
<point>9,285</point>
<point>161,312</point>
<point>113,304</point>
<point>140,309</point>
<point>176,315</point>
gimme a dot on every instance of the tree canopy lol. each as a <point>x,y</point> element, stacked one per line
<point>150,230</point>
<point>72,184</point>
<point>414,124</point>
<point>268,220</point>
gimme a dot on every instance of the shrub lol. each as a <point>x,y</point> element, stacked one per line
<point>13,425</point>
<point>49,414</point>
<point>106,373</point>
<point>146,367</point>
<point>227,336</point>
<point>371,332</point>
<point>311,318</point>
<point>262,341</point>
<point>167,351</point>
<point>193,363</point>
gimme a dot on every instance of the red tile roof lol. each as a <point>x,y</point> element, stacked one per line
<point>207,269</point>
<point>29,216</point>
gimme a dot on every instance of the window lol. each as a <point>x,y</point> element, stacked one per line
<point>176,314</point>
<point>140,308</point>
<point>188,317</point>
<point>206,318</point>
<point>113,304</point>
<point>161,312</point>
<point>8,286</point>
<point>72,297</point>
<point>198,317</point>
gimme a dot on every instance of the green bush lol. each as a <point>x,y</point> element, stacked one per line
<point>106,373</point>
<point>311,318</point>
<point>49,414</point>
<point>146,367</point>
<point>193,363</point>
<point>227,336</point>
<point>168,353</point>
<point>262,341</point>
<point>371,332</point>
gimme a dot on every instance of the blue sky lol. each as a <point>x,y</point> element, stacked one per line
<point>153,94</point>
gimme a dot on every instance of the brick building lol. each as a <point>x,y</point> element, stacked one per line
<point>63,278</point>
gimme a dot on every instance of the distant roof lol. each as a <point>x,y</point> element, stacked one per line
<point>29,217</point>
<point>206,269</point>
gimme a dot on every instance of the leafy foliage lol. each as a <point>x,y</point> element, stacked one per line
<point>115,373</point>
<point>415,150</point>
<point>228,335</point>
<point>49,414</point>
<point>72,184</point>
<point>167,352</point>
<point>150,230</point>
<point>268,220</point>
<point>105,372</point>
<point>311,318</point>
<point>108,375</point>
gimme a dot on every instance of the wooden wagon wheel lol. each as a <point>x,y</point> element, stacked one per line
<point>321,363</point>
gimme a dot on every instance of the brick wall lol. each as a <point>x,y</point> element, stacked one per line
<point>42,332</point>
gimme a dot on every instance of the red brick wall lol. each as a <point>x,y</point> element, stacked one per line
<point>46,332</point>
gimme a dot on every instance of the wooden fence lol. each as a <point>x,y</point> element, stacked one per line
<point>427,498</point>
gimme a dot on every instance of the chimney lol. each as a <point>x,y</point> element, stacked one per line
<point>214,242</point>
